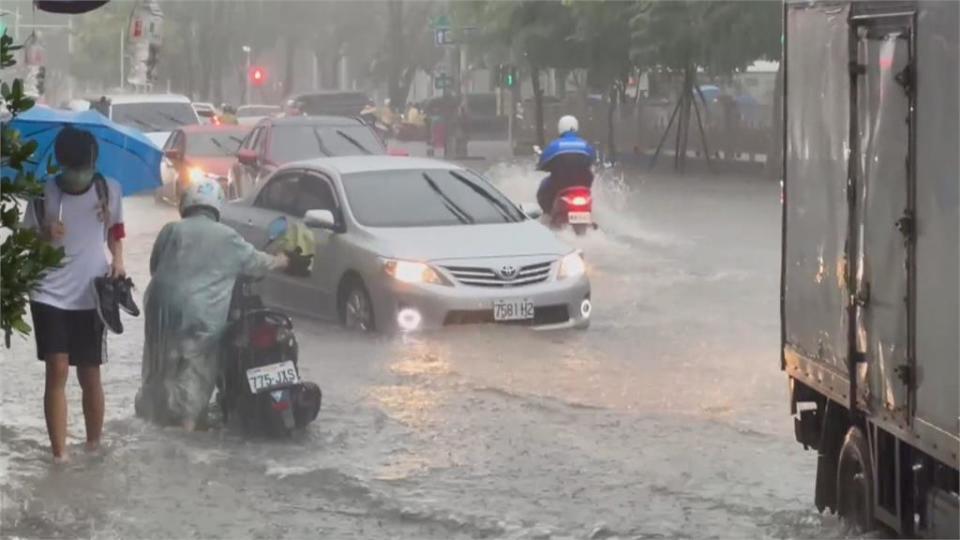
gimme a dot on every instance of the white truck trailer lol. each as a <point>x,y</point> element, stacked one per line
<point>869,285</point>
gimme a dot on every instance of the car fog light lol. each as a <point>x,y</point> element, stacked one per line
<point>586,308</point>
<point>408,319</point>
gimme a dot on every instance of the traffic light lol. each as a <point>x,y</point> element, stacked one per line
<point>508,75</point>
<point>258,76</point>
<point>41,79</point>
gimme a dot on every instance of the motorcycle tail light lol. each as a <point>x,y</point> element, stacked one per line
<point>281,405</point>
<point>577,200</point>
<point>263,336</point>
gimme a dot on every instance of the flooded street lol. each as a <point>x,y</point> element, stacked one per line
<point>667,418</point>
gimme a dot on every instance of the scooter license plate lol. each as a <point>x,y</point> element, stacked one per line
<point>579,218</point>
<point>264,378</point>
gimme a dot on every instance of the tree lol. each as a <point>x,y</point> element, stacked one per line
<point>603,33</point>
<point>539,35</point>
<point>720,37</point>
<point>24,256</point>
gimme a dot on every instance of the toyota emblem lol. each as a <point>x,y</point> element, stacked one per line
<point>508,272</point>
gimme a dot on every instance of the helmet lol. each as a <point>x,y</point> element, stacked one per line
<point>204,193</point>
<point>567,123</point>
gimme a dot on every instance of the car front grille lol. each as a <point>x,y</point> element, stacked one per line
<point>478,276</point>
<point>543,315</point>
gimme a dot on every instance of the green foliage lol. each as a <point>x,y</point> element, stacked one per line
<point>720,36</point>
<point>24,256</point>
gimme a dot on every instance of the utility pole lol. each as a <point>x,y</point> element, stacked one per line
<point>123,59</point>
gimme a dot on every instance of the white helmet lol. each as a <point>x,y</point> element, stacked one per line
<point>567,123</point>
<point>204,193</point>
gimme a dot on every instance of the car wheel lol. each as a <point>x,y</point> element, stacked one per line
<point>356,308</point>
<point>855,482</point>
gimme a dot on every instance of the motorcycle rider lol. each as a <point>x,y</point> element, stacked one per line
<point>568,159</point>
<point>193,267</point>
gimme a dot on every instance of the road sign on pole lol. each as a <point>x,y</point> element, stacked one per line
<point>442,81</point>
<point>442,37</point>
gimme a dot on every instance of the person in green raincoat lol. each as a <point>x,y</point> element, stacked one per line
<point>193,267</point>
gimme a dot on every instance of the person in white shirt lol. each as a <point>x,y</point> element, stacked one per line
<point>80,211</point>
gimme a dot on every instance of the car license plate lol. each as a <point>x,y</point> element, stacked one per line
<point>579,218</point>
<point>266,377</point>
<point>512,310</point>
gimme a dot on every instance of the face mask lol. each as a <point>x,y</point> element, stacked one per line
<point>76,180</point>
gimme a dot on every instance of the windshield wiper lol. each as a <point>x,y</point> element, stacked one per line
<point>448,203</point>
<point>220,145</point>
<point>323,147</point>
<point>171,118</point>
<point>498,204</point>
<point>354,142</point>
<point>146,125</point>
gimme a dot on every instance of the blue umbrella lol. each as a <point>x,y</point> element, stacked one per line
<point>125,155</point>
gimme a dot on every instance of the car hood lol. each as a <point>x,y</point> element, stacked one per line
<point>218,165</point>
<point>467,241</point>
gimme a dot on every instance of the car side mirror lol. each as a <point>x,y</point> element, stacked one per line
<point>173,154</point>
<point>320,219</point>
<point>532,210</point>
<point>247,156</point>
<point>397,152</point>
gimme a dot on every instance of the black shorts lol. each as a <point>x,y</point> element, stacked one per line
<point>78,333</point>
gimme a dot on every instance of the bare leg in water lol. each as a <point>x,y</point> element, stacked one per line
<point>55,404</point>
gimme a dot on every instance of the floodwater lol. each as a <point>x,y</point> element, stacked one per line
<point>667,418</point>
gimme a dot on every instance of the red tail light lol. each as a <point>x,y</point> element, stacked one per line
<point>263,336</point>
<point>281,405</point>
<point>577,199</point>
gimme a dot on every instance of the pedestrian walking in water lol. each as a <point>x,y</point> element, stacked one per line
<point>81,211</point>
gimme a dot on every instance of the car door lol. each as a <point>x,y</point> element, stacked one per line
<point>317,193</point>
<point>283,195</point>
<point>243,173</point>
<point>170,168</point>
<point>265,166</point>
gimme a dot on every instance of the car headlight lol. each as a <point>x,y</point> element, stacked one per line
<point>572,265</point>
<point>197,174</point>
<point>412,272</point>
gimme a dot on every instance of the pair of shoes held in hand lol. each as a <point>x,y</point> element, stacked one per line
<point>112,295</point>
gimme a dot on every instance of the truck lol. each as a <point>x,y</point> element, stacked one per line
<point>869,276</point>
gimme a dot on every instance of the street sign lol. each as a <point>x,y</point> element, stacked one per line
<point>442,37</point>
<point>440,22</point>
<point>442,81</point>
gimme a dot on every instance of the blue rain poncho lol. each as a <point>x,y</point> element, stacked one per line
<point>194,266</point>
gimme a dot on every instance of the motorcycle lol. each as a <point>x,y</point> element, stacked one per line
<point>260,389</point>
<point>572,206</point>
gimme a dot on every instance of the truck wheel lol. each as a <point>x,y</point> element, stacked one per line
<point>855,481</point>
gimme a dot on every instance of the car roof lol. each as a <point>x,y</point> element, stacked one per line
<point>116,99</point>
<point>214,128</point>
<point>314,120</point>
<point>258,106</point>
<point>360,164</point>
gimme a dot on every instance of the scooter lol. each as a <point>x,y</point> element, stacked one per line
<point>572,206</point>
<point>260,389</point>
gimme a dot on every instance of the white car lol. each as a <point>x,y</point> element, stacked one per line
<point>206,111</point>
<point>249,115</point>
<point>156,115</point>
<point>407,244</point>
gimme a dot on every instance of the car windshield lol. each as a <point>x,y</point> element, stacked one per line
<point>426,198</point>
<point>256,111</point>
<point>213,144</point>
<point>308,141</point>
<point>153,116</point>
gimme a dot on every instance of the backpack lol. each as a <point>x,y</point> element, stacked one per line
<point>103,201</point>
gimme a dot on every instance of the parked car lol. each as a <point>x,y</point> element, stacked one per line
<point>196,152</point>
<point>156,115</point>
<point>249,115</point>
<point>328,104</point>
<point>276,141</point>
<point>207,113</point>
<point>409,243</point>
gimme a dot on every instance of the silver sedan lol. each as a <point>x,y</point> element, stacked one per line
<point>407,244</point>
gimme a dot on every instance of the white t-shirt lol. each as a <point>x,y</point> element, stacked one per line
<point>84,243</point>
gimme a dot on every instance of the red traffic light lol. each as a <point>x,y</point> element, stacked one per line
<point>258,75</point>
